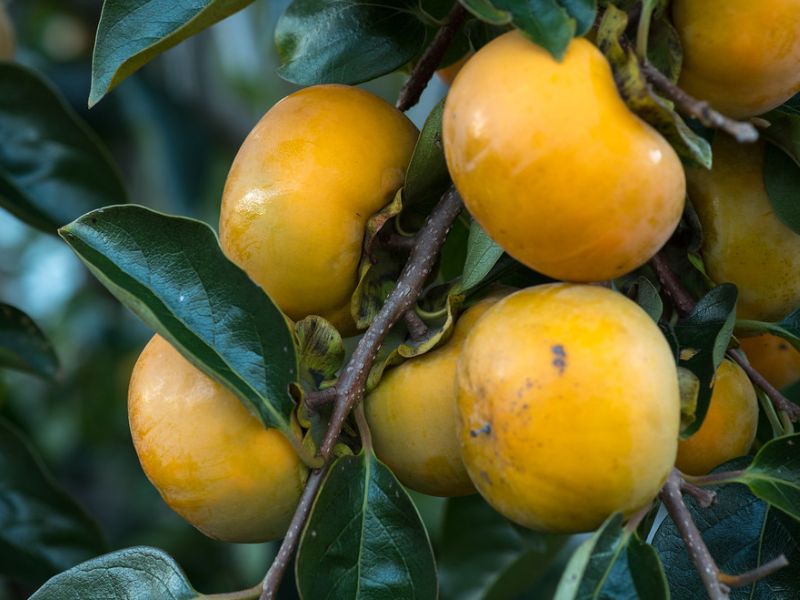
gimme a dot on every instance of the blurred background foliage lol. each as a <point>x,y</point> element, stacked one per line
<point>173,130</point>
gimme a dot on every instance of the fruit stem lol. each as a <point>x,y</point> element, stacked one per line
<point>643,31</point>
<point>713,479</point>
<point>744,131</point>
<point>416,326</point>
<point>698,551</point>
<point>363,426</point>
<point>768,568</point>
<point>704,498</point>
<point>431,58</point>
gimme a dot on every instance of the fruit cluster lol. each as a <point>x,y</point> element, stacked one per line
<point>559,403</point>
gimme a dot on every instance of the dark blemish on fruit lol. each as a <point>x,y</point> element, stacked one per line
<point>528,383</point>
<point>485,477</point>
<point>783,346</point>
<point>559,357</point>
<point>487,429</point>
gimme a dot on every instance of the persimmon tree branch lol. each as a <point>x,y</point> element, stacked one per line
<point>349,389</point>
<point>684,303</point>
<point>743,131</point>
<point>698,551</point>
<point>765,570</point>
<point>431,58</point>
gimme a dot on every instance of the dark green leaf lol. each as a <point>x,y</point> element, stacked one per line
<point>42,530</point>
<point>782,182</point>
<point>482,255</point>
<point>346,41</point>
<point>774,474</point>
<point>546,22</point>
<point>593,561</point>
<point>647,571</point>
<point>704,337</point>
<point>364,538</point>
<point>133,32</point>
<point>664,49</point>
<point>742,533</point>
<point>486,557</point>
<point>637,93</point>
<point>172,273</point>
<point>23,346</point>
<point>427,177</point>
<point>648,298</point>
<point>52,168</point>
<point>320,349</point>
<point>131,573</point>
<point>583,11</point>
<point>486,12</point>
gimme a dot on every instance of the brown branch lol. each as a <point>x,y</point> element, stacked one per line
<point>779,401</point>
<point>743,131</point>
<point>272,580</point>
<point>431,58</point>
<point>416,326</point>
<point>349,390</point>
<point>704,498</point>
<point>765,570</point>
<point>352,381</point>
<point>698,551</point>
<point>318,398</point>
<point>680,297</point>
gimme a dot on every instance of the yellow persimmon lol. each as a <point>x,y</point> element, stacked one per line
<point>729,427</point>
<point>775,358</point>
<point>448,74</point>
<point>740,55</point>
<point>213,462</point>
<point>301,190</point>
<point>412,416</point>
<point>553,165</point>
<point>744,242</point>
<point>569,406</point>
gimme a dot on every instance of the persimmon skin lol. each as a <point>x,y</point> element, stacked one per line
<point>213,462</point>
<point>412,417</point>
<point>744,242</point>
<point>739,55</point>
<point>448,74</point>
<point>729,427</point>
<point>301,189</point>
<point>775,358</point>
<point>554,166</point>
<point>569,407</point>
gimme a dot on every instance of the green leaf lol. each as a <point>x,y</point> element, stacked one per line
<point>346,41</point>
<point>364,538</point>
<point>782,181</point>
<point>52,167</point>
<point>635,90</point>
<point>774,474</point>
<point>647,571</point>
<point>131,33</point>
<point>648,298</point>
<point>427,177</point>
<point>320,349</point>
<point>486,557</point>
<point>131,573</point>
<point>704,336</point>
<point>787,328</point>
<point>486,12</point>
<point>593,561</point>
<point>482,255</point>
<point>42,530</point>
<point>583,11</point>
<point>546,22</point>
<point>23,346</point>
<point>742,533</point>
<point>172,273</point>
